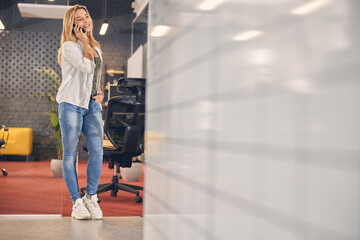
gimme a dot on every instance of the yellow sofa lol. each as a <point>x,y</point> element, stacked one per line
<point>20,142</point>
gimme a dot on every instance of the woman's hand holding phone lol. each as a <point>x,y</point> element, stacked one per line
<point>74,26</point>
<point>80,34</point>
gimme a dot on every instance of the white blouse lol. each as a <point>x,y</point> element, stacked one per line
<point>77,75</point>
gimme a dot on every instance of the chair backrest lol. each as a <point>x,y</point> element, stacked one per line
<point>132,87</point>
<point>125,118</point>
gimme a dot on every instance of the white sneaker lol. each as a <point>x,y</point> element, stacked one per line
<point>93,207</point>
<point>79,211</point>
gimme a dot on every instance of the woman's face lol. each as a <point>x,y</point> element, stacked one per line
<point>83,19</point>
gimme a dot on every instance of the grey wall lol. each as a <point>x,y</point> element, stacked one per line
<point>27,44</point>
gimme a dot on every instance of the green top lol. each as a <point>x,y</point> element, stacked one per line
<point>97,61</point>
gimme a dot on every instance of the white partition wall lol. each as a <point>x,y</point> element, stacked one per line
<point>253,120</point>
<point>135,64</point>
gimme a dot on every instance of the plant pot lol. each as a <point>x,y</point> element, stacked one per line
<point>131,174</point>
<point>56,168</point>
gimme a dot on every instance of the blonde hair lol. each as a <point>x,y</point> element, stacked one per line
<point>67,32</point>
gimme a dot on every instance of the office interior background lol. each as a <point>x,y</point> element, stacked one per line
<point>252,113</point>
<point>32,43</point>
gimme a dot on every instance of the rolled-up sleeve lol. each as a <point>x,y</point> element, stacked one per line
<point>72,53</point>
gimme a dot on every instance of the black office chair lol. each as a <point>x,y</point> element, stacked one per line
<point>3,141</point>
<point>124,127</point>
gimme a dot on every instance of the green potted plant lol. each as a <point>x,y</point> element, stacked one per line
<point>51,76</point>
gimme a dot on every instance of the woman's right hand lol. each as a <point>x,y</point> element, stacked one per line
<point>81,35</point>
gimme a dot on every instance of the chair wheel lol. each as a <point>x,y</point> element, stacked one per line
<point>113,193</point>
<point>138,199</point>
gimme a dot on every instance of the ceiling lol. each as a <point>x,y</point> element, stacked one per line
<point>12,19</point>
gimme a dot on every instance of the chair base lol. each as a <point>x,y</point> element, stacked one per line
<point>115,186</point>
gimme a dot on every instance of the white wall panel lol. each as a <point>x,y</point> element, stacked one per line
<point>255,139</point>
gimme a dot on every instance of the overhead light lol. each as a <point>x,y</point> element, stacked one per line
<point>309,7</point>
<point>160,31</point>
<point>104,28</point>
<point>248,35</point>
<point>32,10</point>
<point>210,4</point>
<point>2,27</point>
<point>105,24</point>
<point>51,0</point>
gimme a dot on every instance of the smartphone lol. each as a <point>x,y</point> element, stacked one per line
<point>83,30</point>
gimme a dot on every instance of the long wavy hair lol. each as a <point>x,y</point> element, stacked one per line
<point>67,32</point>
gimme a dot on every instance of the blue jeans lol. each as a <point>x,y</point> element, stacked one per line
<point>74,120</point>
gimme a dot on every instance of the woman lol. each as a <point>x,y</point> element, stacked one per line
<point>79,99</point>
